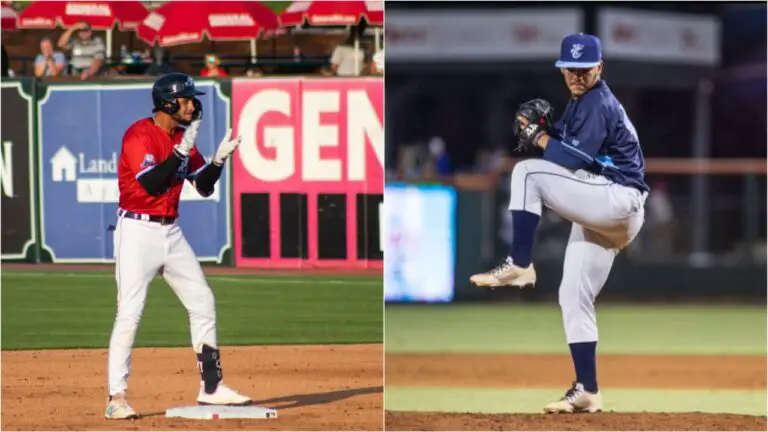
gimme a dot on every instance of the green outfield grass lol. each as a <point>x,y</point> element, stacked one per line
<point>76,310</point>
<point>529,328</point>
<point>493,401</point>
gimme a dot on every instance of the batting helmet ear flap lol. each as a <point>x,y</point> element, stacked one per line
<point>168,106</point>
<point>171,107</point>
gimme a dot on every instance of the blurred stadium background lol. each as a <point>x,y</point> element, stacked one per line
<point>276,39</point>
<point>692,77</point>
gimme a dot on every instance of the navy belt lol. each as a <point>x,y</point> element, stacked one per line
<point>162,220</point>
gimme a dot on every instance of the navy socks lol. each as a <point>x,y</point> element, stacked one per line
<point>584,361</point>
<point>524,226</point>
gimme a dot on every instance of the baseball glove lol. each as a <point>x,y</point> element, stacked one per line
<point>532,119</point>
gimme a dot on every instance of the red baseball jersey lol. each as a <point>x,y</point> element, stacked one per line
<point>145,145</point>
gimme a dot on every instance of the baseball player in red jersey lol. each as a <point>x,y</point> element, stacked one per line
<point>157,157</point>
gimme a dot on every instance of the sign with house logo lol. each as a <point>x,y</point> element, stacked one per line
<point>80,150</point>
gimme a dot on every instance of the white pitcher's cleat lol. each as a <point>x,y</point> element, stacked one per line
<point>118,408</point>
<point>222,396</point>
<point>576,400</point>
<point>506,274</point>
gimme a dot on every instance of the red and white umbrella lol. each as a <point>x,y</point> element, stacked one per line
<point>333,13</point>
<point>101,15</point>
<point>178,23</point>
<point>8,16</point>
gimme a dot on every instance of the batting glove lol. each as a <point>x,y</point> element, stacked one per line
<point>226,148</point>
<point>188,141</point>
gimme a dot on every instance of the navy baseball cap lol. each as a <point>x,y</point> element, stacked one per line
<point>580,51</point>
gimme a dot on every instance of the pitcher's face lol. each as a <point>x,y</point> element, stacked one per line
<point>579,81</point>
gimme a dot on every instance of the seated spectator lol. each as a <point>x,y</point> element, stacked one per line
<point>254,72</point>
<point>49,63</point>
<point>87,51</point>
<point>163,63</point>
<point>212,68</point>
<point>346,60</point>
<point>377,63</point>
<point>297,54</point>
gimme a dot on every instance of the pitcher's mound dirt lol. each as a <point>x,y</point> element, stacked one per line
<point>621,371</point>
<point>406,421</point>
<point>337,387</point>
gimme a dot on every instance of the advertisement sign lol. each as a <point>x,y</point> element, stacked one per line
<point>659,36</point>
<point>80,130</point>
<point>16,171</point>
<point>308,177</point>
<point>420,243</point>
<point>479,35</point>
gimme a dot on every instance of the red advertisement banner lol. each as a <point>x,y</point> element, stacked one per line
<point>308,178</point>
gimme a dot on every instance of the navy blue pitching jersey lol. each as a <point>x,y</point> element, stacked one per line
<point>596,135</point>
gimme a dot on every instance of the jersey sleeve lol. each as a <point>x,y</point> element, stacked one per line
<point>196,164</point>
<point>139,154</point>
<point>579,146</point>
<point>558,129</point>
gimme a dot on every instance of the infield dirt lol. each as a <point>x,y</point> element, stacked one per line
<point>618,371</point>
<point>314,387</point>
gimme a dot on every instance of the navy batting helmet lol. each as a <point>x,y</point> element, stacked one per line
<point>168,88</point>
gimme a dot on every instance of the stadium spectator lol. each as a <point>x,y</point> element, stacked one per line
<point>87,51</point>
<point>377,63</point>
<point>297,54</point>
<point>346,60</point>
<point>212,68</point>
<point>49,63</point>
<point>254,72</point>
<point>163,63</point>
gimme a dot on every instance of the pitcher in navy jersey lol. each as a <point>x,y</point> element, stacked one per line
<point>593,174</point>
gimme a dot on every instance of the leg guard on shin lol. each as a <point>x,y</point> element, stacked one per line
<point>209,363</point>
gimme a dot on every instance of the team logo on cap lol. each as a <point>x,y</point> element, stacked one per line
<point>577,50</point>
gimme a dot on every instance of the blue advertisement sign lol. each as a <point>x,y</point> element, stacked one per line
<point>80,129</point>
<point>419,243</point>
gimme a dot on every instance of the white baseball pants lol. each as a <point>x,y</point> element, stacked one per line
<point>142,249</point>
<point>606,217</point>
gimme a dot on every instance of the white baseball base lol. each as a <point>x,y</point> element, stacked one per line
<point>210,412</point>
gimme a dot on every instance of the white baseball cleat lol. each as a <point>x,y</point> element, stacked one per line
<point>576,400</point>
<point>118,408</point>
<point>506,273</point>
<point>222,396</point>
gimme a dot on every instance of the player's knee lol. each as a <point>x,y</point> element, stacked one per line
<point>521,167</point>
<point>519,173</point>
<point>522,170</point>
<point>568,296</point>
<point>204,306</point>
<point>569,308</point>
<point>127,318</point>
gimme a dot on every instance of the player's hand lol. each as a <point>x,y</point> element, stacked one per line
<point>188,141</point>
<point>226,148</point>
